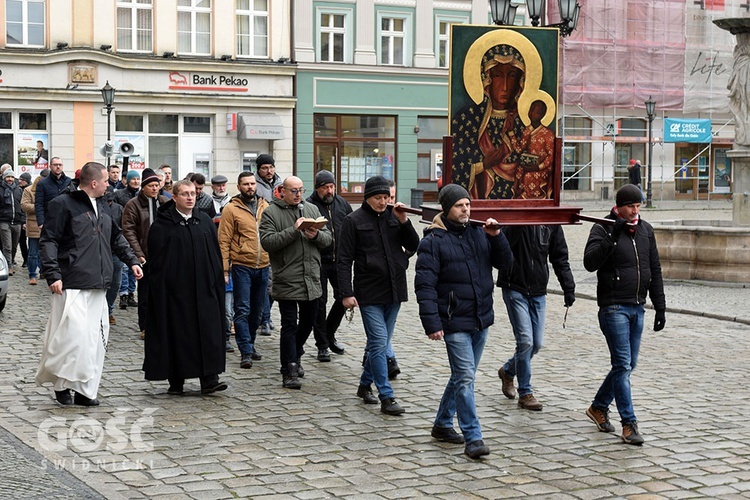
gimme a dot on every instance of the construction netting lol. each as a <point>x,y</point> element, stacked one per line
<point>625,51</point>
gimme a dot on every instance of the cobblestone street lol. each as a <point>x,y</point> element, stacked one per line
<point>257,440</point>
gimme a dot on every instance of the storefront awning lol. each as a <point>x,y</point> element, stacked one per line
<point>265,126</point>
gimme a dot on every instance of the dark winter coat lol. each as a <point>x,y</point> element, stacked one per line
<point>335,212</point>
<point>375,243</point>
<point>185,321</point>
<point>634,174</point>
<point>531,247</point>
<point>123,196</point>
<point>10,203</point>
<point>47,190</point>
<point>453,280</point>
<point>295,260</point>
<point>626,269</point>
<point>76,246</point>
<point>135,222</point>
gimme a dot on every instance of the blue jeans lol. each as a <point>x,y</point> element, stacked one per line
<point>127,285</point>
<point>33,259</point>
<point>229,312</point>
<point>249,290</point>
<point>464,353</point>
<point>526,315</point>
<point>622,326</point>
<point>379,321</point>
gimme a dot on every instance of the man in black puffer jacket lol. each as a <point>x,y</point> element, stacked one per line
<point>524,293</point>
<point>626,261</point>
<point>454,288</point>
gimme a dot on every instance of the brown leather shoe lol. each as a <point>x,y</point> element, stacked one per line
<point>529,402</point>
<point>32,281</point>
<point>509,390</point>
<point>112,320</point>
<point>143,334</point>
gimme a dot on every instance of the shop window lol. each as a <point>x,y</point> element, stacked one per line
<point>135,25</point>
<point>576,167</point>
<point>32,121</point>
<point>194,27</point>
<point>631,127</point>
<point>430,148</point>
<point>162,124</point>
<point>6,120</point>
<point>252,28</point>
<point>128,123</point>
<point>24,23</point>
<point>334,35</point>
<point>197,124</point>
<point>362,146</point>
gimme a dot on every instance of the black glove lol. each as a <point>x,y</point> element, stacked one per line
<point>570,297</point>
<point>660,320</point>
<point>617,228</point>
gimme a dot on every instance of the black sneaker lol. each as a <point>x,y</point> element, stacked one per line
<point>324,356</point>
<point>391,407</point>
<point>300,370</point>
<point>256,355</point>
<point>229,347</point>
<point>131,300</point>
<point>476,449</point>
<point>630,434</point>
<point>365,392</point>
<point>600,418</point>
<point>217,387</point>
<point>447,435</point>
<point>123,301</point>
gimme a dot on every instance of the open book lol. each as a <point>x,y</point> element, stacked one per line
<point>308,223</point>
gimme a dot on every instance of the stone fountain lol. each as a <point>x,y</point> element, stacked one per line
<point>719,250</point>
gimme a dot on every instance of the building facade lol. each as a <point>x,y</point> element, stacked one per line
<point>201,85</point>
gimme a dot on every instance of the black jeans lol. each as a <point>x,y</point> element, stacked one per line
<point>294,334</point>
<point>325,327</point>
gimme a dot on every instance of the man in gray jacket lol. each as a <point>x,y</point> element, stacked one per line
<point>295,260</point>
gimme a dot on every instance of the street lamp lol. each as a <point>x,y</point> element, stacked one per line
<point>650,107</point>
<point>108,95</point>
<point>503,13</point>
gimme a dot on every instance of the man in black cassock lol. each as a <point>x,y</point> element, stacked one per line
<point>185,320</point>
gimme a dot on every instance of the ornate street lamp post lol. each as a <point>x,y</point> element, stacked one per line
<point>504,13</point>
<point>108,95</point>
<point>650,107</point>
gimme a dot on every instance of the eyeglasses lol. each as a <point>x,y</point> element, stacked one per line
<point>57,165</point>
<point>296,191</point>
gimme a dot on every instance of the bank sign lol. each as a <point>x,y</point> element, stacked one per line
<point>207,82</point>
<point>687,130</point>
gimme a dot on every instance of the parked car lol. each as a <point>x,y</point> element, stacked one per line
<point>3,281</point>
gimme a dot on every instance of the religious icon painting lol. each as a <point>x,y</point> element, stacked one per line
<point>503,109</point>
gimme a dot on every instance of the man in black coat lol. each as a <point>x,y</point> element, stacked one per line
<point>454,289</point>
<point>185,317</point>
<point>626,260</point>
<point>12,216</point>
<point>50,188</point>
<point>76,248</point>
<point>334,208</point>
<point>524,293</point>
<point>375,239</point>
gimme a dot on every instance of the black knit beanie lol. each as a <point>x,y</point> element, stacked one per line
<point>377,185</point>
<point>450,194</point>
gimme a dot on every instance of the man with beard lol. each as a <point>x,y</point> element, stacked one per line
<point>203,201</point>
<point>49,188</point>
<point>219,193</point>
<point>268,179</point>
<point>243,256</point>
<point>335,209</point>
<point>185,317</point>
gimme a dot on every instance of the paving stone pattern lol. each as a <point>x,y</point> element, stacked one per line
<point>257,440</point>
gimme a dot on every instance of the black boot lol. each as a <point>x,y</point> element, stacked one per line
<point>123,301</point>
<point>131,300</point>
<point>290,380</point>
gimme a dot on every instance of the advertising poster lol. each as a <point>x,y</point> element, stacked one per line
<point>136,161</point>
<point>33,155</point>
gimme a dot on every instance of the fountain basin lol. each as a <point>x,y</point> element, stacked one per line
<point>704,250</point>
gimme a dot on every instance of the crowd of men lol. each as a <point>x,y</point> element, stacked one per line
<point>207,265</point>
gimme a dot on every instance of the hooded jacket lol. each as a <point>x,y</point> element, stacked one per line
<point>10,203</point>
<point>76,245</point>
<point>375,244</point>
<point>453,280</point>
<point>295,260</point>
<point>239,235</point>
<point>626,269</point>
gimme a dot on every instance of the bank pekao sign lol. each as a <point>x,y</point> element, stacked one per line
<point>687,130</point>
<point>207,81</point>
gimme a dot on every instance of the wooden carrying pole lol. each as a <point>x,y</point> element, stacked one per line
<point>474,222</point>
